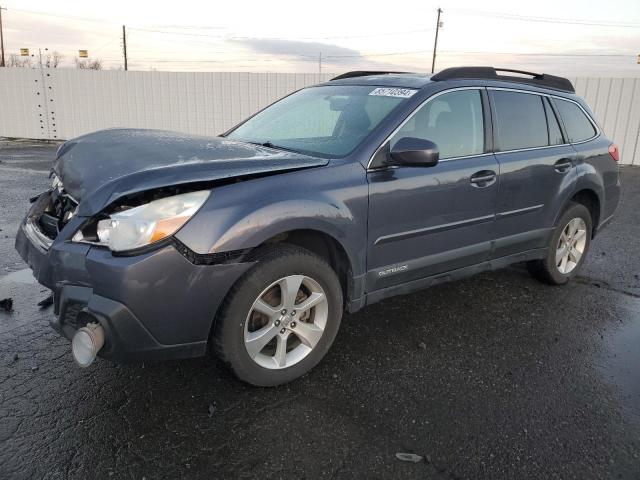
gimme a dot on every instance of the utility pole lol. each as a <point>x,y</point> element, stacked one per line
<point>320,64</point>
<point>435,43</point>
<point>1,40</point>
<point>124,46</point>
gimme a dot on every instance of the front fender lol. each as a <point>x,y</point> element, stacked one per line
<point>331,200</point>
<point>266,222</point>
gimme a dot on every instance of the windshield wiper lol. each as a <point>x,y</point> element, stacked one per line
<point>269,144</point>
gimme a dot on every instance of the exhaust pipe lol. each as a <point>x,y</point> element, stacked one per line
<point>86,344</point>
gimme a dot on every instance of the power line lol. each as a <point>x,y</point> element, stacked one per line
<point>360,55</point>
<point>186,34</point>
<point>314,57</point>
<point>536,54</point>
<point>66,17</point>
<point>531,18</point>
<point>105,45</point>
<point>243,37</point>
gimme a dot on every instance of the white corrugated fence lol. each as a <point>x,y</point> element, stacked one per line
<point>64,103</point>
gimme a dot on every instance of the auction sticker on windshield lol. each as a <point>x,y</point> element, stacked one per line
<point>393,92</point>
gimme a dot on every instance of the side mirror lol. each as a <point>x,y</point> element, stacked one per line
<point>414,152</point>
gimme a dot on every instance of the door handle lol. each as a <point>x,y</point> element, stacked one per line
<point>563,165</point>
<point>483,178</point>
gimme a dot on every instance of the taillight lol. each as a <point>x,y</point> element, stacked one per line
<point>613,151</point>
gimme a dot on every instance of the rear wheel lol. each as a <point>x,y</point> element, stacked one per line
<point>281,317</point>
<point>567,249</point>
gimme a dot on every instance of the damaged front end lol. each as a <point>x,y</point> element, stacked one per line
<point>122,307</point>
<point>51,212</point>
<point>102,238</point>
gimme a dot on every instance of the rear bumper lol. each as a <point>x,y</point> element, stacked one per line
<point>153,306</point>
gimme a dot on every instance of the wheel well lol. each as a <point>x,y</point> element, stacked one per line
<point>326,247</point>
<point>589,199</point>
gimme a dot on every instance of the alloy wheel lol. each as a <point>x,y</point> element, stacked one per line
<point>571,245</point>
<point>286,322</point>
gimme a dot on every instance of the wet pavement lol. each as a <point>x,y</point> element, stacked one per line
<point>497,376</point>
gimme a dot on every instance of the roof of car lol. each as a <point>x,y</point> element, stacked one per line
<point>395,79</point>
<point>485,74</point>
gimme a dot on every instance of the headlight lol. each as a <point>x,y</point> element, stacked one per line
<point>148,223</point>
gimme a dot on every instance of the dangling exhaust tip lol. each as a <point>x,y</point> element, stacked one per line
<point>86,344</point>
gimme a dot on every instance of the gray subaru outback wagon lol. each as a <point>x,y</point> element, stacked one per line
<point>251,245</point>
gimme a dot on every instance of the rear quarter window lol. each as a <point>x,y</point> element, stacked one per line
<point>555,133</point>
<point>578,126</point>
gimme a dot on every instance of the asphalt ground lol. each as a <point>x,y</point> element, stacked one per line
<point>496,376</point>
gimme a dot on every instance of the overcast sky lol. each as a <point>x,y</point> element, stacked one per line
<point>563,37</point>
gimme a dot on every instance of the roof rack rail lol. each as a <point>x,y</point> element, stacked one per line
<point>537,79</point>
<point>362,73</point>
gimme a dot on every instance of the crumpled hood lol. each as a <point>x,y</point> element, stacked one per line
<point>98,168</point>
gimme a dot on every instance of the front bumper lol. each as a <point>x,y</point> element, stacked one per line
<point>153,306</point>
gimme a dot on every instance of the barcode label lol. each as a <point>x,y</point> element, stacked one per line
<point>393,92</point>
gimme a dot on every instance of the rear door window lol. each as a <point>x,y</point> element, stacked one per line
<point>520,120</point>
<point>453,121</point>
<point>578,126</point>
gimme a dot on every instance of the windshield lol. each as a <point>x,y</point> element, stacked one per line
<point>326,121</point>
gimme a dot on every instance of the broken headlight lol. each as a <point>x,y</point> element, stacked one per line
<point>145,224</point>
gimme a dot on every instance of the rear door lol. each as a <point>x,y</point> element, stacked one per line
<point>537,169</point>
<point>428,220</point>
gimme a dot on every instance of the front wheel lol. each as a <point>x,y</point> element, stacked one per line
<point>567,249</point>
<point>281,317</point>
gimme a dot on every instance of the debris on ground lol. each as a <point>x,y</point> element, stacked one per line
<point>212,409</point>
<point>409,457</point>
<point>15,357</point>
<point>46,303</point>
<point>6,304</point>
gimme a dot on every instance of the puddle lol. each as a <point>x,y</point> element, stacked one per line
<point>621,362</point>
<point>21,276</point>
<point>8,282</point>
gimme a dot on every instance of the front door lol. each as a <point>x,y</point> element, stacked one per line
<point>427,220</point>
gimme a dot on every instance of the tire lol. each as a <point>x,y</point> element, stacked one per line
<point>259,307</point>
<point>553,272</point>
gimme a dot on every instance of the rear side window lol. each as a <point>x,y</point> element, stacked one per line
<point>453,121</point>
<point>578,126</point>
<point>555,134</point>
<point>520,119</point>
